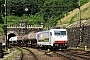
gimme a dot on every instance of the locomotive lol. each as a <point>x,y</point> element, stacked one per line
<point>53,38</point>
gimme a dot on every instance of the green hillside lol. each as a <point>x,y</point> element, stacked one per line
<point>74,15</point>
<point>47,12</point>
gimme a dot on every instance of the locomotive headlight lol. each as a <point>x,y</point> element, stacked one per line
<point>65,44</point>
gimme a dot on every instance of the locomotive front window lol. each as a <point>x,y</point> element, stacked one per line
<point>63,32</point>
<point>57,33</point>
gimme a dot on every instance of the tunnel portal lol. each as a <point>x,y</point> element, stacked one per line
<point>10,35</point>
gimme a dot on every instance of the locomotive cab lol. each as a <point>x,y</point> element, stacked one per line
<point>59,38</point>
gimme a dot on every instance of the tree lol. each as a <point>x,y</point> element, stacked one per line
<point>55,10</point>
<point>17,7</point>
<point>1,20</point>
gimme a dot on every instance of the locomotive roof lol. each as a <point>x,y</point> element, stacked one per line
<point>53,29</point>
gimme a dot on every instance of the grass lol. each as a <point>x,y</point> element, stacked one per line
<point>74,16</point>
<point>16,53</point>
<point>72,19</point>
<point>26,52</point>
<point>13,55</point>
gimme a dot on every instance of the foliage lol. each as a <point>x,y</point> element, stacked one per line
<point>74,15</point>
<point>72,19</point>
<point>31,20</point>
<point>1,28</point>
<point>55,10</point>
<point>46,11</point>
<point>17,7</point>
<point>83,1</point>
<point>1,20</point>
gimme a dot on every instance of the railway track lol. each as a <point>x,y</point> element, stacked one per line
<point>25,54</point>
<point>32,53</point>
<point>20,56</point>
<point>73,55</point>
<point>35,54</point>
<point>68,55</point>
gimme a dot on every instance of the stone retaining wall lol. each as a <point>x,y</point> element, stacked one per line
<point>74,34</point>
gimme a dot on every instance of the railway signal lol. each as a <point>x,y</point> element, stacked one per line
<point>80,37</point>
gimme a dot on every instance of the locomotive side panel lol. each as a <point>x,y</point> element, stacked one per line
<point>43,38</point>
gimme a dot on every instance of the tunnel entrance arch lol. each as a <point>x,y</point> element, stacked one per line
<point>11,34</point>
